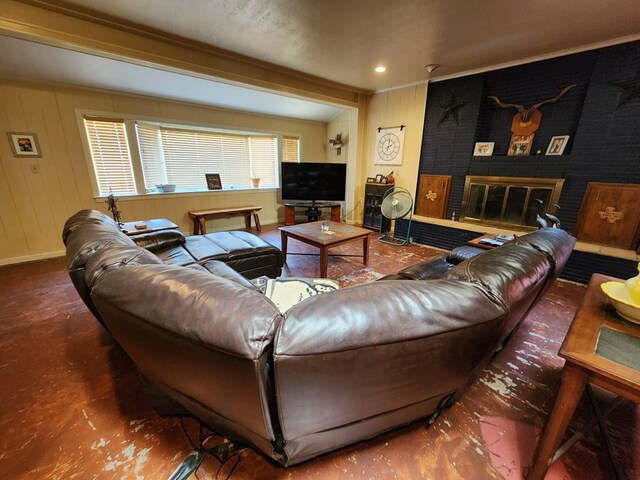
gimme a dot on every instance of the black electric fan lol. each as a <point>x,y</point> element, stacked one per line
<point>397,203</point>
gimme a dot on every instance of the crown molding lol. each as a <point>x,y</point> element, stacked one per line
<point>61,24</point>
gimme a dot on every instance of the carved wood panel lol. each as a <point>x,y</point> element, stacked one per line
<point>610,215</point>
<point>433,195</point>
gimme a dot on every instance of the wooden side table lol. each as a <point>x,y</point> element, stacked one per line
<point>153,225</point>
<point>600,348</point>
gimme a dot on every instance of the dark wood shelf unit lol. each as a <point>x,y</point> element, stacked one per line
<point>373,218</point>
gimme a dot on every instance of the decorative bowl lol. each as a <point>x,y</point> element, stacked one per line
<point>166,187</point>
<point>618,293</point>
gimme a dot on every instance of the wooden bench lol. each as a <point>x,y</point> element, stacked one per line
<point>199,216</point>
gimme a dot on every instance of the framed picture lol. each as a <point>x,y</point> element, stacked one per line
<point>520,145</point>
<point>24,144</point>
<point>557,144</point>
<point>379,178</point>
<point>213,181</point>
<point>483,149</point>
<point>371,180</point>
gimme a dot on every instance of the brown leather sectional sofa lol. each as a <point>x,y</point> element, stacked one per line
<point>89,231</point>
<point>334,369</point>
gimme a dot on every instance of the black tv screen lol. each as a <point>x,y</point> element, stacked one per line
<point>313,181</point>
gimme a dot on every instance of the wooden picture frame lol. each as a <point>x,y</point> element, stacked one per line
<point>557,145</point>
<point>483,149</point>
<point>379,178</point>
<point>24,144</point>
<point>520,145</point>
<point>371,180</point>
<point>213,181</point>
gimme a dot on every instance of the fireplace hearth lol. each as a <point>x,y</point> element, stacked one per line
<point>509,202</point>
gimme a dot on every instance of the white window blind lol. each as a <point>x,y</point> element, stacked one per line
<point>150,144</point>
<point>110,154</point>
<point>183,157</point>
<point>178,154</point>
<point>290,149</point>
<point>263,159</point>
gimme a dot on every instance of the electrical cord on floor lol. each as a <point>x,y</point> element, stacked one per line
<point>225,453</point>
<point>344,217</point>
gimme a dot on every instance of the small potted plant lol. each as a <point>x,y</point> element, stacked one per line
<point>255,180</point>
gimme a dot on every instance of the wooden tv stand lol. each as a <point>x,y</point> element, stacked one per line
<point>312,211</point>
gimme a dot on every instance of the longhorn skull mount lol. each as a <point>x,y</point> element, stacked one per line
<point>528,119</point>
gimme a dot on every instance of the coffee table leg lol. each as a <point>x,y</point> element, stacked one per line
<point>283,241</point>
<point>571,388</point>
<point>324,260</point>
<point>365,250</point>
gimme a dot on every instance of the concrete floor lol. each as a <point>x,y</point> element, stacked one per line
<point>71,404</point>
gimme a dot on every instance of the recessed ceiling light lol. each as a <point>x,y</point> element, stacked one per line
<point>381,69</point>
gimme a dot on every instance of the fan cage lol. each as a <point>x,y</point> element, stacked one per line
<point>392,198</point>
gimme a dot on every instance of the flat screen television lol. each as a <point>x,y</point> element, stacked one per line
<point>313,181</point>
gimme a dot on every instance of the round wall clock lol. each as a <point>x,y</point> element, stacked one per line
<point>388,147</point>
<point>389,143</point>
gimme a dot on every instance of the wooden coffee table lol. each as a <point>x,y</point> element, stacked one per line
<point>600,348</point>
<point>312,234</point>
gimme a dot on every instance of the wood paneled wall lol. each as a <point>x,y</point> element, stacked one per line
<point>34,206</point>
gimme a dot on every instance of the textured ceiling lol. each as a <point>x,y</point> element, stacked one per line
<point>343,40</point>
<point>337,40</point>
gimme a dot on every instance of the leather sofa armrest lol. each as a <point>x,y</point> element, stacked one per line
<point>465,252</point>
<point>154,241</point>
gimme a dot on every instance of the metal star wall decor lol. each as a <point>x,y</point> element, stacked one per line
<point>631,89</point>
<point>451,108</point>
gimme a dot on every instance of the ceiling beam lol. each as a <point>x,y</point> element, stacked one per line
<point>60,24</point>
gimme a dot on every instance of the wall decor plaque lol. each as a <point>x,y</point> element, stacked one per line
<point>609,215</point>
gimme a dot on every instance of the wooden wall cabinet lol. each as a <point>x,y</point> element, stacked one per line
<point>609,215</point>
<point>373,218</point>
<point>433,195</point>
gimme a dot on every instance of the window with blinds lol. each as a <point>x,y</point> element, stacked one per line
<point>180,155</point>
<point>184,156</point>
<point>110,155</point>
<point>290,149</point>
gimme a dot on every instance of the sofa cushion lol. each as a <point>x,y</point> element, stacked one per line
<point>554,243</point>
<point>433,268</point>
<point>244,252</point>
<point>230,245</point>
<point>465,252</point>
<point>520,268</point>
<point>154,241</point>
<point>221,269</point>
<point>116,256</point>
<point>175,256</point>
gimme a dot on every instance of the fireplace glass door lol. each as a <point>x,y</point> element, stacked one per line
<point>512,202</point>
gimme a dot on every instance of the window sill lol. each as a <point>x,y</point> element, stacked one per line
<point>178,194</point>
